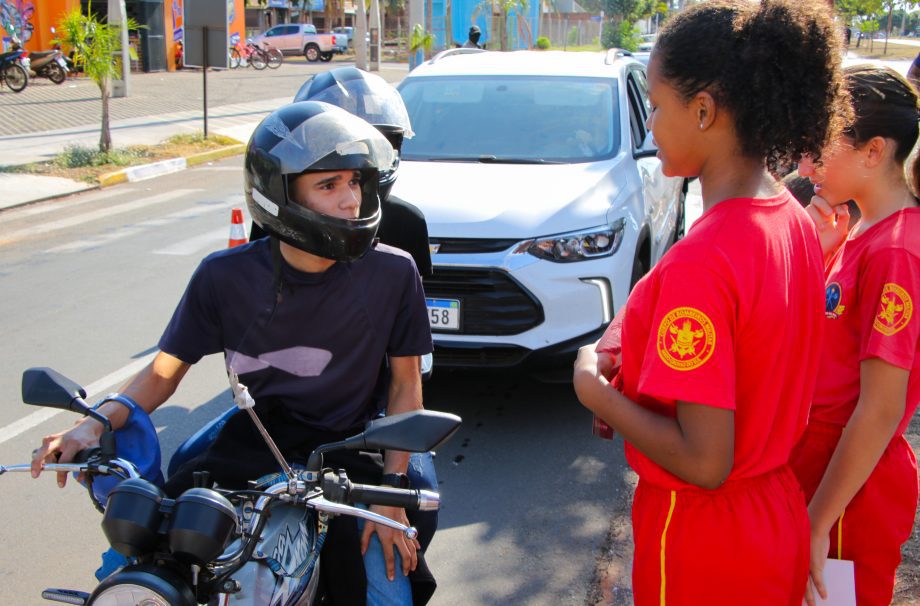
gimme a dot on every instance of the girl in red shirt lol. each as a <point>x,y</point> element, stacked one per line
<point>718,339</point>
<point>858,472</point>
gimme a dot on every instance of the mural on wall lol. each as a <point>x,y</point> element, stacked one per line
<point>16,18</point>
<point>177,15</point>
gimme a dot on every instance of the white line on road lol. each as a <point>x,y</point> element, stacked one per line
<point>124,232</point>
<point>40,209</point>
<point>198,243</point>
<point>99,214</point>
<point>92,391</point>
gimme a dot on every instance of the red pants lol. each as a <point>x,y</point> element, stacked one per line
<point>745,543</point>
<point>877,521</point>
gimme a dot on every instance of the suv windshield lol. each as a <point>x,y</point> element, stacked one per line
<point>511,119</point>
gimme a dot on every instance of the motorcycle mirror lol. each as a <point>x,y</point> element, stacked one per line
<point>416,431</point>
<point>47,387</point>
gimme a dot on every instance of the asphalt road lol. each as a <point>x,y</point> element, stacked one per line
<point>88,284</point>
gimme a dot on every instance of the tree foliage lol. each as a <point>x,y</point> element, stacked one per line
<point>96,46</point>
<point>620,10</point>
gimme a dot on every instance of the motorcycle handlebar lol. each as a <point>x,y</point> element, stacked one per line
<point>421,500</point>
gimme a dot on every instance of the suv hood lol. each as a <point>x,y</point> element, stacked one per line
<point>485,200</point>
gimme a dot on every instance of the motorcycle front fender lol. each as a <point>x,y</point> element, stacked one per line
<point>133,584</point>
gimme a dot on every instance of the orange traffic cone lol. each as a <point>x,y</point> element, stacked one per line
<point>237,233</point>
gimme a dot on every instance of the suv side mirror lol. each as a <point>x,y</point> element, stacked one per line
<point>648,148</point>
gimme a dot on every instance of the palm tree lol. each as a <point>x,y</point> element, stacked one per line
<point>96,47</point>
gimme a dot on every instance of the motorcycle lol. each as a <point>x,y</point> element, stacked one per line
<point>258,546</point>
<point>49,64</point>
<point>14,69</point>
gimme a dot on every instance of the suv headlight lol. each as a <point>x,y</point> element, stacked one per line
<point>577,246</point>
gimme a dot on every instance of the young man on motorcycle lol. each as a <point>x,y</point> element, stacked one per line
<point>305,318</point>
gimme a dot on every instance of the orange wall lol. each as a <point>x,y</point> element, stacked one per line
<point>41,15</point>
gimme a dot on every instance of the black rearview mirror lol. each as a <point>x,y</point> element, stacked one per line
<point>416,431</point>
<point>47,387</point>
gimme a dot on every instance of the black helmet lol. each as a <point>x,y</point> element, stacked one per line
<point>367,96</point>
<point>314,137</point>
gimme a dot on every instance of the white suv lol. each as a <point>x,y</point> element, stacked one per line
<point>544,199</point>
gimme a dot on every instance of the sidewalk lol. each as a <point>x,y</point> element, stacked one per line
<point>50,111</point>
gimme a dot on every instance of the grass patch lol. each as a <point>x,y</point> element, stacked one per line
<point>87,163</point>
<point>895,51</point>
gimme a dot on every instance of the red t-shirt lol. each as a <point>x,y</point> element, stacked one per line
<point>731,317</point>
<point>873,289</point>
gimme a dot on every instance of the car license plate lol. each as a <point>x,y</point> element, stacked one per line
<point>444,313</point>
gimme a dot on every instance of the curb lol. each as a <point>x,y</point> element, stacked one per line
<point>165,167</point>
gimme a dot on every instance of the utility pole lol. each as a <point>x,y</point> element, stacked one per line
<point>360,34</point>
<point>376,35</point>
<point>118,15</point>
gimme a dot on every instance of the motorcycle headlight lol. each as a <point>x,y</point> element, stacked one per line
<point>130,594</point>
<point>577,246</point>
<point>143,585</point>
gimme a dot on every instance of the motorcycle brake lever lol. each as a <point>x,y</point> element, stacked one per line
<point>321,504</point>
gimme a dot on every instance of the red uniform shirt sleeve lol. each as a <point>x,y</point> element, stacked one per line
<point>889,290</point>
<point>690,355</point>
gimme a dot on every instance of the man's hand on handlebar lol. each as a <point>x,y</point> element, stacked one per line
<point>390,538</point>
<point>62,447</point>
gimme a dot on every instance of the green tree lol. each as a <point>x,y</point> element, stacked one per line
<point>419,40</point>
<point>625,36</point>
<point>620,10</point>
<point>96,46</point>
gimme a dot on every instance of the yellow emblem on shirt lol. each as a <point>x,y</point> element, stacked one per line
<point>686,338</point>
<point>895,310</point>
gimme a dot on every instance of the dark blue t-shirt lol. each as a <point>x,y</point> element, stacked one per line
<point>318,352</point>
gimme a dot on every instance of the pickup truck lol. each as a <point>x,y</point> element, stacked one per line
<point>295,38</point>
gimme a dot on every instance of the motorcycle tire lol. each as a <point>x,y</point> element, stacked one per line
<point>234,58</point>
<point>274,58</point>
<point>325,57</point>
<point>258,60</point>
<point>56,73</point>
<point>16,77</point>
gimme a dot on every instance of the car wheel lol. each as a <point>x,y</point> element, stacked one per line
<point>640,265</point>
<point>311,52</point>
<point>680,225</point>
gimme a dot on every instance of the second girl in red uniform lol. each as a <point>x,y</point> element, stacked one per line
<point>719,339</point>
<point>858,471</point>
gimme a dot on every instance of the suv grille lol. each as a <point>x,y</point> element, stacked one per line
<point>491,301</point>
<point>472,245</point>
<point>478,357</point>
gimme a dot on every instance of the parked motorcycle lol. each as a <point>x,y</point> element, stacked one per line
<point>49,64</point>
<point>253,547</point>
<point>14,69</point>
<point>45,64</point>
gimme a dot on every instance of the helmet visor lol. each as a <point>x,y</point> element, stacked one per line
<point>370,98</point>
<point>326,134</point>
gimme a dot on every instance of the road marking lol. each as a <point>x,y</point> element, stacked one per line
<point>40,209</point>
<point>93,390</point>
<point>99,214</point>
<point>124,232</point>
<point>198,243</point>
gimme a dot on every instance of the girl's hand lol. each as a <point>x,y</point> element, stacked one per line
<point>832,223</point>
<point>819,547</point>
<point>588,379</point>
